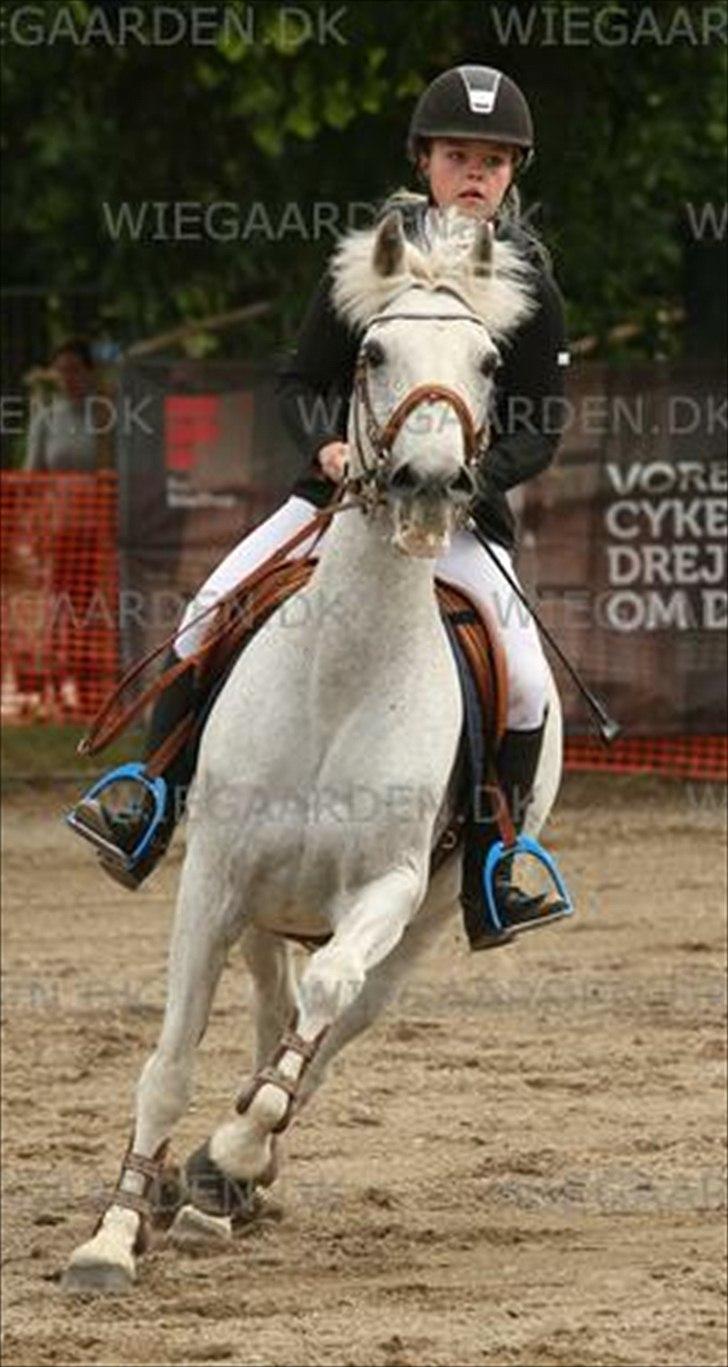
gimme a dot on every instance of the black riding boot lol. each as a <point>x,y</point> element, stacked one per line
<point>516,765</point>
<point>120,815</point>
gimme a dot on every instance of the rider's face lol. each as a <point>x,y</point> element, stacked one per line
<point>470,173</point>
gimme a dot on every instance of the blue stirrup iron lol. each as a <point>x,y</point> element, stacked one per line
<point>157,790</point>
<point>523,844</point>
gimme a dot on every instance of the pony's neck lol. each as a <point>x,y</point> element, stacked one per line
<point>358,562</point>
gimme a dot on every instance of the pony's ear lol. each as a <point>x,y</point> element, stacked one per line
<point>388,253</point>
<point>482,253</point>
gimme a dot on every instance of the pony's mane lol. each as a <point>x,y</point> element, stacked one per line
<point>502,297</point>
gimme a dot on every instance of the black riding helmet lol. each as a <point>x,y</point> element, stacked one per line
<point>472,102</point>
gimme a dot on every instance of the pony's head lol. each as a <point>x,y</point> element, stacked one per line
<point>431,320</point>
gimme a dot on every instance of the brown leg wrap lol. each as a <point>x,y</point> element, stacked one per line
<point>150,1169</point>
<point>289,1041</point>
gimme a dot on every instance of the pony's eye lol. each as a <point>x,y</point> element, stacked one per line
<point>373,353</point>
<point>489,363</point>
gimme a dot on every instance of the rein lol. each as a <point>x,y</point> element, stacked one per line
<point>112,718</point>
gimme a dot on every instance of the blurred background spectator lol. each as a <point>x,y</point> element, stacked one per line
<point>71,433</point>
<point>74,429</point>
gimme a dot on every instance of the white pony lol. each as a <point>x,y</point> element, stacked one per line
<point>326,768</point>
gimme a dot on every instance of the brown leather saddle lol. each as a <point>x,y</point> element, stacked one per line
<point>238,620</point>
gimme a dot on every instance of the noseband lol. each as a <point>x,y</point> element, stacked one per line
<point>381,437</point>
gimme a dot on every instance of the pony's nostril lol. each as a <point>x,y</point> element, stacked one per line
<point>404,478</point>
<point>463,483</point>
<point>407,480</point>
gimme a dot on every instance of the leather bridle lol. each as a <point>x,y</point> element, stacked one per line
<point>372,483</point>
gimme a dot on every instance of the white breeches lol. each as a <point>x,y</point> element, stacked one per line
<point>466,566</point>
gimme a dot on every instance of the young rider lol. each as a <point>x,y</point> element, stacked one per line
<point>470,137</point>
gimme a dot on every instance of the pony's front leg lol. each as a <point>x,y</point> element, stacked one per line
<point>275,991</point>
<point>242,1149</point>
<point>217,1198</point>
<point>385,980</point>
<point>107,1261</point>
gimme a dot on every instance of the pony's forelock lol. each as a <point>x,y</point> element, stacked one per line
<point>502,296</point>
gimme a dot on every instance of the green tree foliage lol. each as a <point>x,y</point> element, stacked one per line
<point>628,134</point>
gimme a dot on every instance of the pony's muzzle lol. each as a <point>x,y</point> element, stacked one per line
<point>426,507</point>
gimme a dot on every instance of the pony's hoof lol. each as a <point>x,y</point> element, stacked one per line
<point>167,1195</point>
<point>110,1279</point>
<point>215,1192</point>
<point>193,1226</point>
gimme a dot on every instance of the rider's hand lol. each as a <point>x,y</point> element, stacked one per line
<point>333,459</point>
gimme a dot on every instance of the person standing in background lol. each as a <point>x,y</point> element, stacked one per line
<point>72,436</point>
<point>72,432</point>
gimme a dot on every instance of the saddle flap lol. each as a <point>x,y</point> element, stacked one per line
<point>476,633</point>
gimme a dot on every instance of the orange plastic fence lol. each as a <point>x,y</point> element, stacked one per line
<point>59,595</point>
<point>59,612</point>
<point>697,757</point>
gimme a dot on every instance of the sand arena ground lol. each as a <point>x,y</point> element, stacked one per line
<point>521,1163</point>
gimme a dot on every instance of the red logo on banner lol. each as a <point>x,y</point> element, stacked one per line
<point>189,420</point>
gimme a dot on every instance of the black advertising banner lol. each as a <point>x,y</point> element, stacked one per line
<point>623,540</point>
<point>203,458</point>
